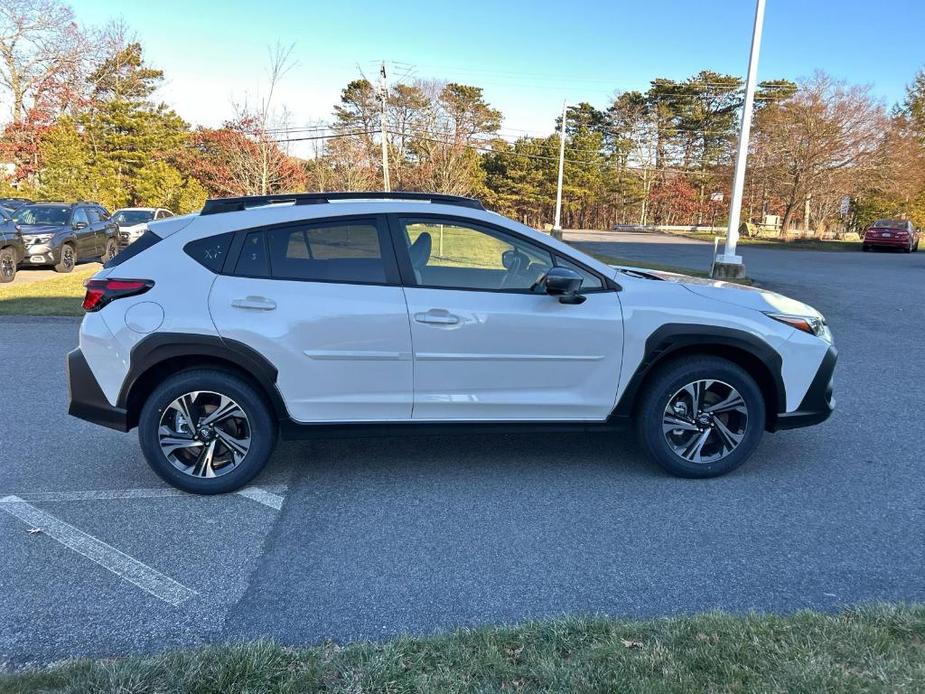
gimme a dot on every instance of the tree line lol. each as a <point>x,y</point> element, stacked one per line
<point>83,122</point>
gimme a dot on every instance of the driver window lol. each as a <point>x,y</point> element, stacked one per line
<point>452,255</point>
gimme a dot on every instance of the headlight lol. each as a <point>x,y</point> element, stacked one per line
<point>40,238</point>
<point>814,325</point>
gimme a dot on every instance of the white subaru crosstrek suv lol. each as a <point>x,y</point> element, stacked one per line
<point>307,314</point>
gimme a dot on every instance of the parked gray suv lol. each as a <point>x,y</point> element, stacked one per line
<point>62,234</point>
<point>12,248</point>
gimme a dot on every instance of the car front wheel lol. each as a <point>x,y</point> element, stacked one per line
<point>67,260</point>
<point>206,431</point>
<point>7,265</point>
<point>701,417</point>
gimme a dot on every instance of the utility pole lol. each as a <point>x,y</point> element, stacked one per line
<point>557,226</point>
<point>386,184</point>
<point>729,264</point>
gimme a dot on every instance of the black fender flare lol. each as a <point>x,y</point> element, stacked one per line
<point>674,338</point>
<point>159,348</point>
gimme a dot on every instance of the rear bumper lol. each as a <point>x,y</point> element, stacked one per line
<point>886,243</point>
<point>86,398</point>
<point>819,401</point>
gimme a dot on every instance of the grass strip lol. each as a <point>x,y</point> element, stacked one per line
<point>779,243</point>
<point>868,649</point>
<point>56,296</point>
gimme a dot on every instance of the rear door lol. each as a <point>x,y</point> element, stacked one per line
<point>98,227</point>
<point>488,344</point>
<point>323,302</point>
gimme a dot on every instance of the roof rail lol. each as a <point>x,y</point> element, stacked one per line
<point>219,205</point>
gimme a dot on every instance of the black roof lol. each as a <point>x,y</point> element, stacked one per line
<point>219,205</point>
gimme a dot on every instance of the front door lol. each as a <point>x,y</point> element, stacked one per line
<point>487,345</point>
<point>86,239</point>
<point>323,303</point>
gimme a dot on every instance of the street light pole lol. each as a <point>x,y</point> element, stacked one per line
<point>558,223</point>
<point>729,256</point>
<point>383,96</point>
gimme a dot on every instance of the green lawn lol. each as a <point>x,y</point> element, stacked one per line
<point>793,244</point>
<point>56,296</point>
<point>873,649</point>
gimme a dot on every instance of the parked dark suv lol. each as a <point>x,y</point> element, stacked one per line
<point>62,234</point>
<point>12,248</point>
<point>12,204</point>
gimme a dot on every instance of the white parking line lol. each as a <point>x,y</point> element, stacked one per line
<point>150,580</point>
<point>262,496</point>
<point>259,494</point>
<point>102,495</point>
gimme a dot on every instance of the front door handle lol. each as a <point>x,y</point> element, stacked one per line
<point>257,303</point>
<point>437,316</point>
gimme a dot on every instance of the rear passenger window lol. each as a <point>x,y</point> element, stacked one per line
<point>211,251</point>
<point>253,259</point>
<point>345,252</point>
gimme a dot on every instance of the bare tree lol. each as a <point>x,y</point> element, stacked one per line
<point>819,146</point>
<point>41,50</point>
<point>263,166</point>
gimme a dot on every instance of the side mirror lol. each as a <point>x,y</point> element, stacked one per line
<point>80,225</point>
<point>564,283</point>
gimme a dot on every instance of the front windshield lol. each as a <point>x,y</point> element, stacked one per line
<point>42,214</point>
<point>889,224</point>
<point>128,218</point>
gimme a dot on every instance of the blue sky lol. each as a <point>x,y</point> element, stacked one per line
<point>528,56</point>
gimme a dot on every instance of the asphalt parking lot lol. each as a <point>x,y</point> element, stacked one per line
<point>368,538</point>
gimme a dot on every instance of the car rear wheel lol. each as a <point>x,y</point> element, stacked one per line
<point>206,431</point>
<point>701,417</point>
<point>111,249</point>
<point>67,260</point>
<point>7,265</point>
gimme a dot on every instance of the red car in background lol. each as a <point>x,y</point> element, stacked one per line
<point>891,233</point>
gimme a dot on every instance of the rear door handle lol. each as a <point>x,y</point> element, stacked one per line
<point>257,303</point>
<point>437,316</point>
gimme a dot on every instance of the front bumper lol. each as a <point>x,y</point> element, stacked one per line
<point>86,398</point>
<point>40,254</point>
<point>819,401</point>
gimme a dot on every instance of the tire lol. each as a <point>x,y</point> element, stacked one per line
<point>67,260</point>
<point>112,248</point>
<point>188,467</point>
<point>667,387</point>
<point>7,265</point>
<point>865,248</point>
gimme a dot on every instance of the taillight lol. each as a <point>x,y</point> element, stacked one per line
<point>102,292</point>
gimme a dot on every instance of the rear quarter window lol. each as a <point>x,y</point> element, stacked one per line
<point>209,252</point>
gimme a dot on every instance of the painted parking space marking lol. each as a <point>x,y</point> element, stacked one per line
<point>268,496</point>
<point>135,572</point>
<point>262,496</point>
